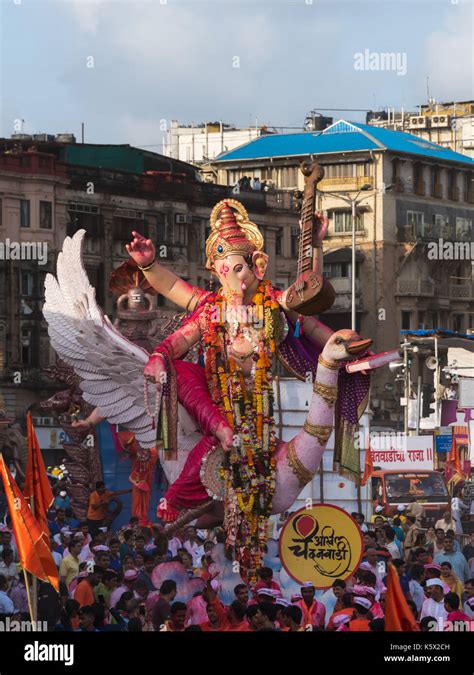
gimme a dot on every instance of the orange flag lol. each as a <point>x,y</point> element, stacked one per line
<point>35,555</point>
<point>36,481</point>
<point>460,437</point>
<point>398,615</point>
<point>368,464</point>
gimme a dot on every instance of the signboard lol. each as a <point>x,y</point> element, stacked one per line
<point>402,453</point>
<point>51,438</point>
<point>444,443</point>
<point>321,544</point>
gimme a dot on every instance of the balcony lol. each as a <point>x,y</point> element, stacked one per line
<point>461,291</point>
<point>416,287</point>
<point>33,163</point>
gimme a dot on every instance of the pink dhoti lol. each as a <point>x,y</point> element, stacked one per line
<point>187,491</point>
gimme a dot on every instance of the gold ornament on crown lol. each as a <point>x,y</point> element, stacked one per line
<point>231,232</point>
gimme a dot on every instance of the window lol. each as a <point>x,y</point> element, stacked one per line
<point>267,173</point>
<point>343,222</point>
<point>295,236</point>
<point>433,181</point>
<point>26,281</point>
<point>421,320</point>
<point>24,213</point>
<point>406,320</point>
<point>458,323</point>
<point>180,234</point>
<point>279,242</point>
<point>468,186</point>
<point>1,221</point>
<point>161,229</point>
<point>463,229</point>
<point>25,346</point>
<point>288,177</point>
<point>46,215</point>
<point>452,184</point>
<point>433,320</point>
<point>415,217</point>
<point>337,270</point>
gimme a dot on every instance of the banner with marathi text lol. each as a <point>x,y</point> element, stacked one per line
<point>321,544</point>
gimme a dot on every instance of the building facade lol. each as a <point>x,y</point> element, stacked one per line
<point>450,125</point>
<point>204,142</point>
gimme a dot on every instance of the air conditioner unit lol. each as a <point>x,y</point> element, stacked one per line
<point>182,219</point>
<point>42,421</point>
<point>419,122</point>
<point>440,121</point>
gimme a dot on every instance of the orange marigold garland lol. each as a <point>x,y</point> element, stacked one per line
<point>249,468</point>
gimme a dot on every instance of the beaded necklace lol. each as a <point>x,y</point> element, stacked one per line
<point>249,468</point>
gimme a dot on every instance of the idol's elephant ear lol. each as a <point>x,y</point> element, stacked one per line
<point>260,262</point>
<point>109,365</point>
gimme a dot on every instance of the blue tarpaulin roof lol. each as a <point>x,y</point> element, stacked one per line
<point>341,136</point>
<point>440,332</point>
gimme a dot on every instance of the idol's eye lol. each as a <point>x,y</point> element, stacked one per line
<point>338,341</point>
<point>238,268</point>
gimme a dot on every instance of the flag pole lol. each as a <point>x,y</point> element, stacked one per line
<point>35,579</point>
<point>28,596</point>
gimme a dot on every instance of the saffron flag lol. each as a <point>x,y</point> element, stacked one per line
<point>368,464</point>
<point>37,485</point>
<point>460,437</point>
<point>398,615</point>
<point>35,555</point>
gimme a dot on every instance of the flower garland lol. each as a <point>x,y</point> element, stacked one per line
<point>249,468</point>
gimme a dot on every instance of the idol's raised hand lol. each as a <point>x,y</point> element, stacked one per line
<point>321,226</point>
<point>141,249</point>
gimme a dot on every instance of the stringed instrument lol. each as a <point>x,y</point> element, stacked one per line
<point>311,293</point>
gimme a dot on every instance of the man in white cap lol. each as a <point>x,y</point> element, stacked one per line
<point>281,604</point>
<point>434,603</point>
<point>128,584</point>
<point>314,612</point>
<point>360,622</point>
<point>341,623</point>
<point>378,512</point>
<point>62,501</point>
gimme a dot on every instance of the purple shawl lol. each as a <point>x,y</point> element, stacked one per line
<point>300,356</point>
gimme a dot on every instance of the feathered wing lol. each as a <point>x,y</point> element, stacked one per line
<point>109,365</point>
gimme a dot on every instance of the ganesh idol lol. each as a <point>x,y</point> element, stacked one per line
<point>241,329</point>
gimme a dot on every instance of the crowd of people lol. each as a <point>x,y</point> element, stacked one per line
<point>108,579</point>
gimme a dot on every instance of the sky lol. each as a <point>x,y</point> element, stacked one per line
<point>127,67</point>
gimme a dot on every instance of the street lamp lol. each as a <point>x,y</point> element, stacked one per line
<point>353,201</point>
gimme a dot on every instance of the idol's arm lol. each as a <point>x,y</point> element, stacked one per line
<point>316,331</point>
<point>174,288</point>
<point>163,280</point>
<point>179,342</point>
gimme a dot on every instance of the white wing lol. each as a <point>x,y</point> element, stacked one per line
<point>109,365</point>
